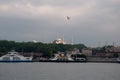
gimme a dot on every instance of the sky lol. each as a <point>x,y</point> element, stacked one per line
<point>92,22</point>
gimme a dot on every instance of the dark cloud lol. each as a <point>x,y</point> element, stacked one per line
<point>91,22</point>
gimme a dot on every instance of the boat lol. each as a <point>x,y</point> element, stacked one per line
<point>81,59</point>
<point>74,56</point>
<point>14,56</point>
<point>61,57</point>
<point>118,60</point>
<point>54,58</point>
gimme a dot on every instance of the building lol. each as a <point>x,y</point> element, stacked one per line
<point>87,52</point>
<point>59,41</point>
<point>114,49</point>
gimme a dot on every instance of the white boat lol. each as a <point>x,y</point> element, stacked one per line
<point>57,57</point>
<point>13,56</point>
<point>118,60</point>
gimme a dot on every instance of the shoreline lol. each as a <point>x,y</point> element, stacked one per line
<point>60,61</point>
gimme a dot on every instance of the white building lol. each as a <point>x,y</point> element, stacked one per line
<point>87,52</point>
<point>59,41</point>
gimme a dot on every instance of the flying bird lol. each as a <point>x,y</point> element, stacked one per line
<point>68,18</point>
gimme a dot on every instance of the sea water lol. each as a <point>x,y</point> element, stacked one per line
<point>59,71</point>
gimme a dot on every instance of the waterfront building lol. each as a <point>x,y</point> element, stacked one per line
<point>114,49</point>
<point>87,52</point>
<point>76,51</point>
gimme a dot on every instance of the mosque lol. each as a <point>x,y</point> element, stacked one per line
<point>59,41</point>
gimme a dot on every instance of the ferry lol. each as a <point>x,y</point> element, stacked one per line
<point>118,60</point>
<point>67,58</point>
<point>14,56</point>
<point>61,57</point>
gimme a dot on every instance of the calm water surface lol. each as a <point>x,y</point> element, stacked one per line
<point>59,71</point>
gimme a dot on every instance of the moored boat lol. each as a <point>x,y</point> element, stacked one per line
<point>67,58</point>
<point>14,56</point>
<point>118,60</point>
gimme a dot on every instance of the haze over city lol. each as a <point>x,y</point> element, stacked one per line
<point>92,22</point>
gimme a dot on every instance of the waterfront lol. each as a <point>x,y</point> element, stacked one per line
<point>59,71</point>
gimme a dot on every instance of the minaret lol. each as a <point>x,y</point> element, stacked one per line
<point>63,41</point>
<point>72,41</point>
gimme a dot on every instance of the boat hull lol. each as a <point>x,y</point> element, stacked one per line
<point>61,61</point>
<point>15,61</point>
<point>118,61</point>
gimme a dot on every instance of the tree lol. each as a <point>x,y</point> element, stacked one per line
<point>28,47</point>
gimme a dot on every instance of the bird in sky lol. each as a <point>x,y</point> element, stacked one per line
<point>68,18</point>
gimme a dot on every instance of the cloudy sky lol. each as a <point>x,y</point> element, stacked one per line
<point>92,22</point>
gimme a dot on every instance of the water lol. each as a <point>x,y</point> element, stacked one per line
<point>59,71</point>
